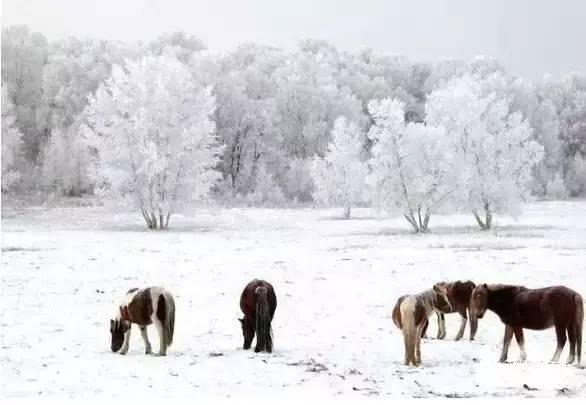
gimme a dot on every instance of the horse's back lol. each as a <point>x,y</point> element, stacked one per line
<point>249,295</point>
<point>414,307</point>
<point>541,308</point>
<point>143,303</point>
<point>459,293</point>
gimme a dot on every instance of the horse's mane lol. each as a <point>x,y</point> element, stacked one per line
<point>427,298</point>
<point>503,293</point>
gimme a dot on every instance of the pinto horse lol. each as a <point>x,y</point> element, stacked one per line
<point>538,309</point>
<point>152,305</point>
<point>410,315</point>
<point>459,294</point>
<point>258,303</point>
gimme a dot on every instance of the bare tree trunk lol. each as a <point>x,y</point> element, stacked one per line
<point>426,221</point>
<point>153,221</point>
<point>147,218</point>
<point>161,222</point>
<point>488,217</point>
<point>167,221</point>
<point>487,223</point>
<point>411,219</point>
<point>347,212</point>
<point>479,220</point>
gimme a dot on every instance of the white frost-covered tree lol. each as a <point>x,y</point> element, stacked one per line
<point>155,140</point>
<point>339,177</point>
<point>11,143</point>
<point>493,147</point>
<point>412,165</point>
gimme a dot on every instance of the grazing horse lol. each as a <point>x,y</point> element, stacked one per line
<point>538,309</point>
<point>410,315</point>
<point>459,293</point>
<point>258,302</point>
<point>153,305</point>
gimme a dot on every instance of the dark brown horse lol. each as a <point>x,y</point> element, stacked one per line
<point>152,305</point>
<point>258,302</point>
<point>459,293</point>
<point>538,309</point>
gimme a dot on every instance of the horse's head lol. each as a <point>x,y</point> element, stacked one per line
<point>247,331</point>
<point>441,300</point>
<point>479,301</point>
<point>118,328</point>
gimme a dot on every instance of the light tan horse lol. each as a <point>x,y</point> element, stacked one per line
<point>410,315</point>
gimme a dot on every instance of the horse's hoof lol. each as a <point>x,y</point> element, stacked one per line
<point>570,360</point>
<point>122,353</point>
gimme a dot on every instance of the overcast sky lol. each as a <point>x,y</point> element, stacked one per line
<point>529,37</point>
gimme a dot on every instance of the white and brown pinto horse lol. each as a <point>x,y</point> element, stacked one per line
<point>152,305</point>
<point>538,309</point>
<point>410,315</point>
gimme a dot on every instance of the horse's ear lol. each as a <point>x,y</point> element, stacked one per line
<point>436,288</point>
<point>111,323</point>
<point>484,286</point>
<point>241,320</point>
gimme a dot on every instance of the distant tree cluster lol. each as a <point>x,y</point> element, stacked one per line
<point>164,123</point>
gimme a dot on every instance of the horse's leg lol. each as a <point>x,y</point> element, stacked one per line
<point>126,343</point>
<point>473,326</point>
<point>441,323</point>
<point>161,331</point>
<point>462,325</point>
<point>145,338</point>
<point>424,328</point>
<point>560,332</point>
<point>418,348</point>
<point>249,335</point>
<point>407,349</point>
<point>521,342</point>
<point>506,343</point>
<point>572,339</point>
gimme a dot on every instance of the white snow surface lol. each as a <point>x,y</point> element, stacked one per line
<point>64,269</point>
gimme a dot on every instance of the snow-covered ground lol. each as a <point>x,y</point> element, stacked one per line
<point>336,282</point>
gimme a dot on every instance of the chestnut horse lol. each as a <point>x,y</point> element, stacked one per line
<point>538,309</point>
<point>258,302</point>
<point>459,293</point>
<point>410,315</point>
<point>153,305</point>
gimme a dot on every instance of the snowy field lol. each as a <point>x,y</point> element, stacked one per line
<point>336,282</point>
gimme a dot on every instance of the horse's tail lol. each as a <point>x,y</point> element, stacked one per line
<point>166,313</point>
<point>396,315</point>
<point>264,340</point>
<point>409,329</point>
<point>578,325</point>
